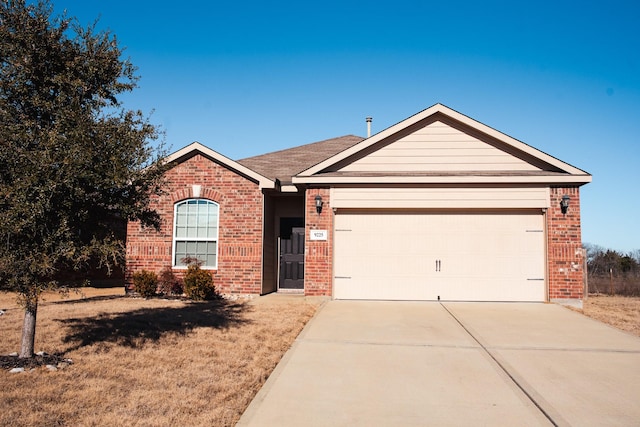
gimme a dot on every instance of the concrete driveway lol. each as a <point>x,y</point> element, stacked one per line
<point>426,363</point>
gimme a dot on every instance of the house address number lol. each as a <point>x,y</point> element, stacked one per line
<point>318,235</point>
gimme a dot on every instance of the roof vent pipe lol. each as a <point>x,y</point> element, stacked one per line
<point>369,119</point>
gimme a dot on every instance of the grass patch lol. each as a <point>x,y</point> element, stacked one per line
<point>148,362</point>
<point>619,311</point>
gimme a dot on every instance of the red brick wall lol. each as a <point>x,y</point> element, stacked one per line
<point>318,253</point>
<point>240,227</point>
<point>565,254</point>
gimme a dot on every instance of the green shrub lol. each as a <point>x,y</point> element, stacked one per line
<point>145,283</point>
<point>198,284</point>
<point>169,283</point>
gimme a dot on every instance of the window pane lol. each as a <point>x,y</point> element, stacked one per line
<point>192,219</point>
<point>211,260</point>
<point>181,248</point>
<point>201,248</point>
<point>211,254</point>
<point>203,219</point>
<point>191,248</point>
<point>181,219</point>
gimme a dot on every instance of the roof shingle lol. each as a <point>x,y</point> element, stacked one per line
<point>284,164</point>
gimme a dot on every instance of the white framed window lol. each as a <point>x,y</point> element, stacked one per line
<point>195,232</point>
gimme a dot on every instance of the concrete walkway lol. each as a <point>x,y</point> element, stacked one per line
<point>361,363</point>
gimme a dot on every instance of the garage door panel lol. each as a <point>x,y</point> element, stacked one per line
<point>471,257</point>
<point>402,267</point>
<point>380,288</point>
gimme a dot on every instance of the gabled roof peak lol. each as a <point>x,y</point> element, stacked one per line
<point>440,112</point>
<point>196,147</point>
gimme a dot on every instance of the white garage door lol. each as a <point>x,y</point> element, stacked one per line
<point>446,256</point>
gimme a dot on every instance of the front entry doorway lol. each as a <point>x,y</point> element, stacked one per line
<point>291,244</point>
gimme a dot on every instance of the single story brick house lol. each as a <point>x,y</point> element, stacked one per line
<point>436,207</point>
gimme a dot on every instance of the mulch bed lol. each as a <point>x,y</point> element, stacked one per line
<point>10,362</point>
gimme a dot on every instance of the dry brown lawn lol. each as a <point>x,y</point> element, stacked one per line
<point>140,362</point>
<point>621,312</point>
<point>161,362</point>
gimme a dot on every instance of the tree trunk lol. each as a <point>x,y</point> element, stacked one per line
<point>29,326</point>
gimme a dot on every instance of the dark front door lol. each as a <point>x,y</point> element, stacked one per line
<point>292,260</point>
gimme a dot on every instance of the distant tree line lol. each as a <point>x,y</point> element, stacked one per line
<point>611,271</point>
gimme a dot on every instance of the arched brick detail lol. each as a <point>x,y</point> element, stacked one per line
<point>187,193</point>
<point>211,194</point>
<point>181,194</point>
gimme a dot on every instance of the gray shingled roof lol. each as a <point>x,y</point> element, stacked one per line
<point>284,164</point>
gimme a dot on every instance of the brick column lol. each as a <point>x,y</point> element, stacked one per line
<point>565,255</point>
<point>318,254</point>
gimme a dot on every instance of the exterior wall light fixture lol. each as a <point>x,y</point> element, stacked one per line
<point>564,204</point>
<point>319,204</point>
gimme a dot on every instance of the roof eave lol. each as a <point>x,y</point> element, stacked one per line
<point>263,181</point>
<point>354,180</point>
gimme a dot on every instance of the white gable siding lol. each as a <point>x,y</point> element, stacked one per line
<point>438,147</point>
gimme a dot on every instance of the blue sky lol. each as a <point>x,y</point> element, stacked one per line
<point>246,78</point>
